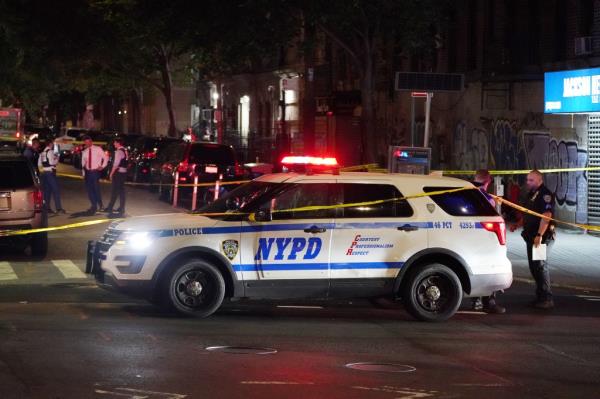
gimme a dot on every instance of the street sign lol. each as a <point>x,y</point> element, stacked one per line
<point>418,81</point>
<point>411,160</point>
<point>575,91</point>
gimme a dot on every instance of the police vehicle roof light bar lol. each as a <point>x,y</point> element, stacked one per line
<point>310,164</point>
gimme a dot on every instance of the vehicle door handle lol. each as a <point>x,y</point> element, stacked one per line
<point>408,227</point>
<point>315,230</point>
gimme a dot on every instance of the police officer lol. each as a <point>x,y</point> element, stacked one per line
<point>47,165</point>
<point>32,152</point>
<point>482,180</point>
<point>536,231</point>
<point>118,176</point>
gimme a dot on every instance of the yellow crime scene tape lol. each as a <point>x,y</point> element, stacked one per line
<point>252,216</point>
<point>520,171</point>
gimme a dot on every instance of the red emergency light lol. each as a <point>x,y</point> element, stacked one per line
<point>310,161</point>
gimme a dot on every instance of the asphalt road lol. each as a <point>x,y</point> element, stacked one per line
<point>61,337</point>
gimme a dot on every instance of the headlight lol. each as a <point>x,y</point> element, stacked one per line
<point>136,239</point>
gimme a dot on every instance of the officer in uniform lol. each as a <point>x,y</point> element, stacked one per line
<point>538,231</point>
<point>118,175</point>
<point>482,180</point>
<point>47,165</point>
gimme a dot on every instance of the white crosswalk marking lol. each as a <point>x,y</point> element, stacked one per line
<point>592,298</point>
<point>68,268</point>
<point>7,272</point>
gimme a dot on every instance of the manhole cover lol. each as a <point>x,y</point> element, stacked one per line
<point>242,350</point>
<point>383,367</point>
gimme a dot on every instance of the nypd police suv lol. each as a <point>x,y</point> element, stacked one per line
<point>315,235</point>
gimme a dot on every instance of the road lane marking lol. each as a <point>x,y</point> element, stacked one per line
<point>68,269</point>
<point>7,272</point>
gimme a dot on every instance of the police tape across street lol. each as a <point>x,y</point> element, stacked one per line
<point>251,216</point>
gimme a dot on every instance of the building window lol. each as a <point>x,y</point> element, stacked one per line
<point>244,117</point>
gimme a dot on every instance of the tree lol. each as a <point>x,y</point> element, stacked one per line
<point>362,28</point>
<point>148,42</point>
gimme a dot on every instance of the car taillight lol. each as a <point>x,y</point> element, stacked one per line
<point>182,167</point>
<point>18,135</point>
<point>496,227</point>
<point>150,155</point>
<point>239,170</point>
<point>38,200</point>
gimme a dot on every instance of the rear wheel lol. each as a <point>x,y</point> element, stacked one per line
<point>195,288</point>
<point>39,244</point>
<point>432,293</point>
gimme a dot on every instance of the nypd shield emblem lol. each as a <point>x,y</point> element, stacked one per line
<point>430,208</point>
<point>230,248</point>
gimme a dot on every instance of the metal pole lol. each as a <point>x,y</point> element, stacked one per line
<point>412,121</point>
<point>427,114</point>
<point>195,193</point>
<point>218,187</point>
<point>176,189</point>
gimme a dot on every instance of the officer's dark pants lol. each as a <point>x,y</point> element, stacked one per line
<point>540,272</point>
<point>118,190</point>
<point>50,187</point>
<point>92,186</point>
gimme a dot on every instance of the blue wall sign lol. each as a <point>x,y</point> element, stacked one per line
<point>572,91</point>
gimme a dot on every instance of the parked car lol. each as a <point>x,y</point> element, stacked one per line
<point>207,161</point>
<point>67,140</point>
<point>143,152</point>
<point>21,204</point>
<point>39,132</point>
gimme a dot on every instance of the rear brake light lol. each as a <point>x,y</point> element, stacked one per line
<point>183,166</point>
<point>18,135</point>
<point>38,200</point>
<point>150,154</point>
<point>496,227</point>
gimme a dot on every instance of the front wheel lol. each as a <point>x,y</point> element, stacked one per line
<point>432,293</point>
<point>195,288</point>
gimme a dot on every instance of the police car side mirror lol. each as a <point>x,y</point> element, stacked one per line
<point>263,215</point>
<point>232,204</point>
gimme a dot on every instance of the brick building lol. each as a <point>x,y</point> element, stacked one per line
<point>503,47</point>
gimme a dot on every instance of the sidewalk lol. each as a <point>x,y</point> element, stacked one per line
<point>574,259</point>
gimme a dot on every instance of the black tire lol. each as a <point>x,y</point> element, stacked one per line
<point>432,293</point>
<point>39,244</point>
<point>195,288</point>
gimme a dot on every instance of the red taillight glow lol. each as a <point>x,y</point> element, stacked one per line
<point>182,167</point>
<point>150,154</point>
<point>18,134</point>
<point>38,200</point>
<point>496,227</point>
<point>305,160</point>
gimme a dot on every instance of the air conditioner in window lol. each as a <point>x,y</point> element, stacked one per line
<point>583,45</point>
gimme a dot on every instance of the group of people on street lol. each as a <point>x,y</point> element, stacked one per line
<point>536,231</point>
<point>93,161</point>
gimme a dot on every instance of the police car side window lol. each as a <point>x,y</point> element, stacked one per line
<point>361,193</point>
<point>303,195</point>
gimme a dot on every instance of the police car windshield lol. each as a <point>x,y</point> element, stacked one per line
<point>241,198</point>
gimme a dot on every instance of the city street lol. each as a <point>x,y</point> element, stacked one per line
<point>62,337</point>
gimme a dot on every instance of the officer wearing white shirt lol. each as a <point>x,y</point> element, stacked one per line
<point>47,165</point>
<point>118,175</point>
<point>93,161</point>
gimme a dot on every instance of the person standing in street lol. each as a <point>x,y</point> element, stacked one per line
<point>118,175</point>
<point>47,166</point>
<point>482,180</point>
<point>537,231</point>
<point>93,161</point>
<point>32,152</point>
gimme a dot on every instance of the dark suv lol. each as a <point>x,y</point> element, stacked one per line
<point>207,161</point>
<point>21,204</point>
<point>142,153</point>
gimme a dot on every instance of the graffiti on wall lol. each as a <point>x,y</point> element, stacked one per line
<point>503,144</point>
<point>570,188</point>
<point>471,148</point>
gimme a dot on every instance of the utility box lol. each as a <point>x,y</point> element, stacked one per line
<point>411,160</point>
